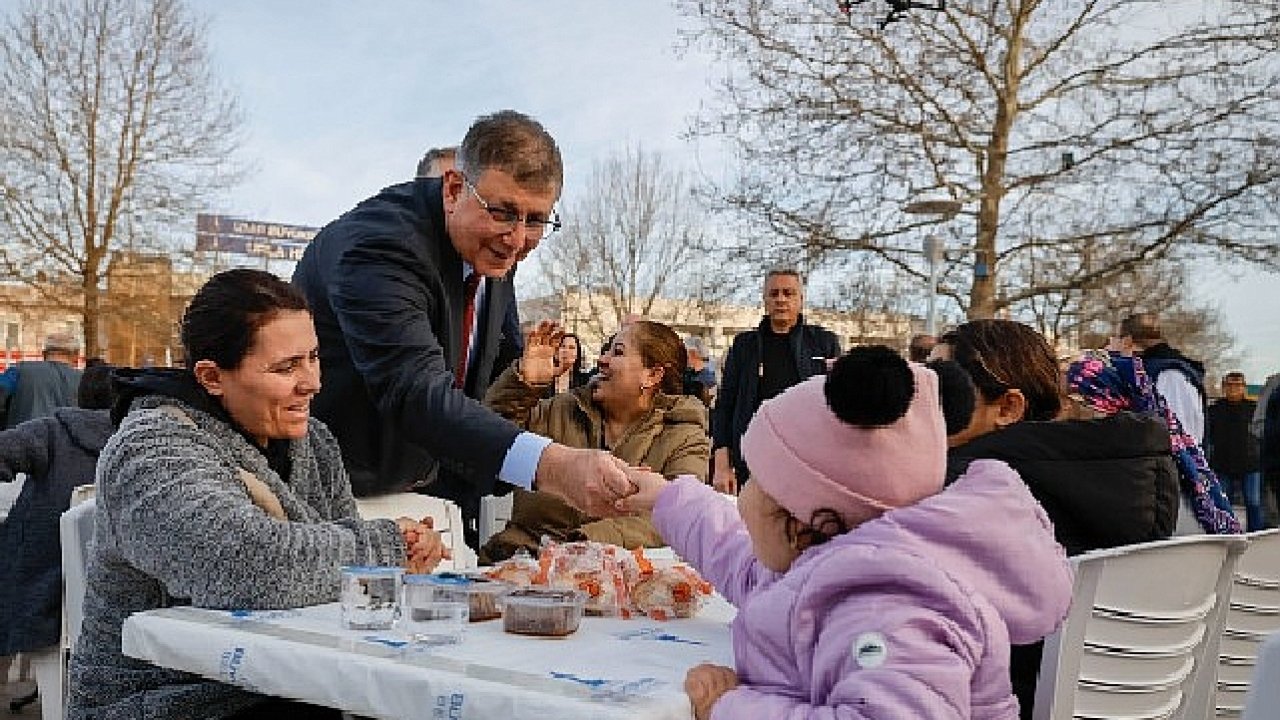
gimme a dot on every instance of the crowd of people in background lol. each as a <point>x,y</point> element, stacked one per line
<point>407,302</point>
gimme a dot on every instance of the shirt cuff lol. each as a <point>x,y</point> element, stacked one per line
<point>521,462</point>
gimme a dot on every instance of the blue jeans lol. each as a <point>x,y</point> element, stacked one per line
<point>1251,485</point>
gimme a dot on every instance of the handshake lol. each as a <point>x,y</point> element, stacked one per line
<point>596,482</point>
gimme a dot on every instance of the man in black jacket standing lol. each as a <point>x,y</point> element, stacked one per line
<point>762,363</point>
<point>409,290</point>
<point>1232,449</point>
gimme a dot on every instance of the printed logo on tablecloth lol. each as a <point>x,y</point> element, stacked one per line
<point>395,643</point>
<point>613,690</point>
<point>264,615</point>
<point>231,666</point>
<point>448,707</point>
<point>657,634</point>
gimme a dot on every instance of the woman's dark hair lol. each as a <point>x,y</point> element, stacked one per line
<point>227,311</point>
<point>1002,355</point>
<point>577,342</point>
<point>95,391</point>
<point>660,346</point>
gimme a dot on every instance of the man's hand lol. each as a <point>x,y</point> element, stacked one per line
<point>423,547</point>
<point>705,684</point>
<point>537,365</point>
<point>649,483</point>
<point>590,480</point>
<point>724,479</point>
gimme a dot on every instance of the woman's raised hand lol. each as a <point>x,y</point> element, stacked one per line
<point>537,365</point>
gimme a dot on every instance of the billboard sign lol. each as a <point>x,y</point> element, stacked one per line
<point>274,241</point>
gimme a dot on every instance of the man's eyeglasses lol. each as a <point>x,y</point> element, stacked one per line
<point>535,228</point>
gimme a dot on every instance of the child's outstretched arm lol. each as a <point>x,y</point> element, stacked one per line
<point>703,528</point>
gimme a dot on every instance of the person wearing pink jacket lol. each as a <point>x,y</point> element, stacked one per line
<point>863,589</point>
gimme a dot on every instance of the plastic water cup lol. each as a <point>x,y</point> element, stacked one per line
<point>433,614</point>
<point>371,597</point>
<point>438,623</point>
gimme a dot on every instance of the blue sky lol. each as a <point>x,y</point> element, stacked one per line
<point>341,98</point>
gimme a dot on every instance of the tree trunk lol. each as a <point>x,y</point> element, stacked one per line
<point>982,294</point>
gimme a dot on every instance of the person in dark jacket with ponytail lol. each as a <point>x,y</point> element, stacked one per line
<point>1104,482</point>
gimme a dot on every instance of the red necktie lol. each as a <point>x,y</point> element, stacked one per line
<point>468,319</point>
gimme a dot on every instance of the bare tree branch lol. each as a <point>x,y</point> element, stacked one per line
<point>112,131</point>
<point>1086,140</point>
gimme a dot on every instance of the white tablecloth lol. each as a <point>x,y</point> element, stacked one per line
<point>609,668</point>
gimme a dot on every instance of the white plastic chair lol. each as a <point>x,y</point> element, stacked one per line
<point>75,531</point>
<point>1254,615</point>
<point>495,511</point>
<point>1263,699</point>
<point>446,517</point>
<point>1141,639</point>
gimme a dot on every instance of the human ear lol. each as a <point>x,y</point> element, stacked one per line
<point>209,375</point>
<point>653,377</point>
<point>451,188</point>
<point>1010,408</point>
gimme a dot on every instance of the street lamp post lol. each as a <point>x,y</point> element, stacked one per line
<point>942,209</point>
<point>933,252</point>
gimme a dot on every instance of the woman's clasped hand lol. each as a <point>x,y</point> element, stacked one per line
<point>423,548</point>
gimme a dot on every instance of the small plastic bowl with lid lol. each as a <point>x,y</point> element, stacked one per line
<point>545,612</point>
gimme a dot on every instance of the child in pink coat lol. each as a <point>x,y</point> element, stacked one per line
<point>863,590</point>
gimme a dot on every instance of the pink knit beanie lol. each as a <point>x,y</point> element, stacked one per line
<point>867,438</point>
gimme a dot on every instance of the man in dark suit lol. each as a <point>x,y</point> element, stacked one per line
<point>433,164</point>
<point>409,291</point>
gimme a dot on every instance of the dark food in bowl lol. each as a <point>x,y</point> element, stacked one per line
<point>553,613</point>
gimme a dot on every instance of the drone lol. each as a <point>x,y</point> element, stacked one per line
<point>898,9</point>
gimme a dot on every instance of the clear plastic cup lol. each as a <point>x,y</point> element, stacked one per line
<point>371,597</point>
<point>435,613</point>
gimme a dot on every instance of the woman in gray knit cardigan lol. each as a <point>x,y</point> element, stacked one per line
<point>219,490</point>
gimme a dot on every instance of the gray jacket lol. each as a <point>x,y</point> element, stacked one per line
<point>175,526</point>
<point>41,386</point>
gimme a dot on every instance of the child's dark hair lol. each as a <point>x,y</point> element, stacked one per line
<point>95,391</point>
<point>825,524</point>
<point>957,392</point>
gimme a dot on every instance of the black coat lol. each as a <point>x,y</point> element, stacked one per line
<point>1231,448</point>
<point>739,393</point>
<point>1103,483</point>
<point>57,453</point>
<point>385,285</point>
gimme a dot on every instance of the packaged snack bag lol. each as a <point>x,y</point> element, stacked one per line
<point>520,570</point>
<point>667,592</point>
<point>593,568</point>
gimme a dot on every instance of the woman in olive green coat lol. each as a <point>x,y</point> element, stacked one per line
<point>632,407</point>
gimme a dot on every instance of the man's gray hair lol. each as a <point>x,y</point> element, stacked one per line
<point>773,272</point>
<point>695,343</point>
<point>433,156</point>
<point>515,144</point>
